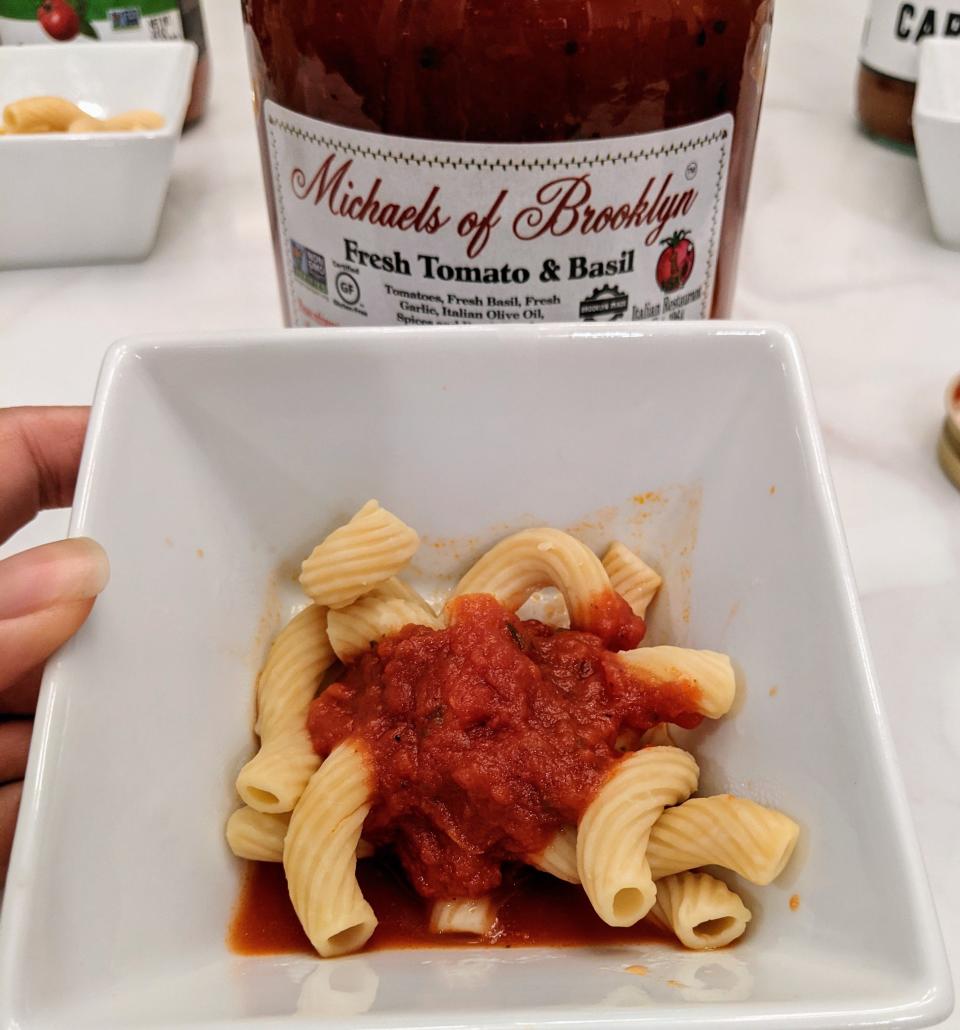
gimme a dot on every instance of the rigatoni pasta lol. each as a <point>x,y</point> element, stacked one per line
<point>45,114</point>
<point>701,910</point>
<point>473,916</point>
<point>257,836</point>
<point>613,833</point>
<point>372,547</point>
<point>534,558</point>
<point>709,673</point>
<point>512,570</point>
<point>631,577</point>
<point>465,739</point>
<point>736,833</point>
<point>275,777</point>
<point>559,857</point>
<point>320,852</point>
<point>40,114</point>
<point>385,610</point>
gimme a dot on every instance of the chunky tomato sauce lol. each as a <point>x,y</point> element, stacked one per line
<point>612,620</point>
<point>535,910</point>
<point>487,736</point>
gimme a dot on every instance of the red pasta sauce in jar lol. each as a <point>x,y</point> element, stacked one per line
<point>486,161</point>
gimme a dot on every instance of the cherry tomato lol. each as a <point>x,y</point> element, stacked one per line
<point>58,19</point>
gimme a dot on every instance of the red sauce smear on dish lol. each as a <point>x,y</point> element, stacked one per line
<point>536,910</point>
<point>487,736</point>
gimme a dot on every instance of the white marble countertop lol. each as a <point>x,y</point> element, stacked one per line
<point>838,246</point>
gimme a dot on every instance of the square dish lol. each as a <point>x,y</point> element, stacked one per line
<point>90,197</point>
<point>936,126</point>
<point>212,467</point>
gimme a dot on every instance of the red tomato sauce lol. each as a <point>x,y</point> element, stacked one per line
<point>613,621</point>
<point>487,736</point>
<point>535,910</point>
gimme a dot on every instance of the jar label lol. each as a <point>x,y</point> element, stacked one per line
<point>894,28</point>
<point>381,230</point>
<point>27,21</point>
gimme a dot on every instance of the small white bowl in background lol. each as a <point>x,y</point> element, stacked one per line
<point>936,129</point>
<point>86,198</point>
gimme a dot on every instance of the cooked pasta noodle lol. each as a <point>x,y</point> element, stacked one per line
<point>257,835</point>
<point>559,857</point>
<point>709,672</point>
<point>394,587</point>
<point>631,577</point>
<point>55,114</point>
<point>700,910</point>
<point>631,740</point>
<point>274,778</point>
<point>658,736</point>
<point>373,546</point>
<point>475,916</point>
<point>535,558</point>
<point>400,724</point>
<point>39,114</point>
<point>735,833</point>
<point>320,852</point>
<point>384,611</point>
<point>138,120</point>
<point>614,830</point>
<point>87,123</point>
<point>723,830</point>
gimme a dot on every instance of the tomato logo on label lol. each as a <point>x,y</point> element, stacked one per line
<point>62,20</point>
<point>675,264</point>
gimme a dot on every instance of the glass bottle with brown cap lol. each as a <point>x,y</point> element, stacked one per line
<point>888,63</point>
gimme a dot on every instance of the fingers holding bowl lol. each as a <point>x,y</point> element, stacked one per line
<point>9,806</point>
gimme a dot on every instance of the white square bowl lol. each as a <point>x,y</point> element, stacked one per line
<point>936,128</point>
<point>83,198</point>
<point>212,466</point>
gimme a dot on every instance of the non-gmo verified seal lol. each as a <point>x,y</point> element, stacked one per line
<point>309,267</point>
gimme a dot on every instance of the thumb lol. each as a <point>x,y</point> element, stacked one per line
<point>45,594</point>
<point>52,575</point>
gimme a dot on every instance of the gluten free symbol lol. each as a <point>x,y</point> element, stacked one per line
<point>348,289</point>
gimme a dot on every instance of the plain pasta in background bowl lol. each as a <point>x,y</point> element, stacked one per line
<point>107,206</point>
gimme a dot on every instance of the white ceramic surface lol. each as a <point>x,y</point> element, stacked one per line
<point>936,127</point>
<point>211,468</point>
<point>90,197</point>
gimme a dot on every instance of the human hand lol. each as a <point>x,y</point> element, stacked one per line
<point>45,592</point>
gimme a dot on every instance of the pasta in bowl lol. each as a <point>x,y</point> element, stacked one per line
<point>43,114</point>
<point>470,742</point>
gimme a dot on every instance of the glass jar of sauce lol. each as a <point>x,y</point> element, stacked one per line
<point>491,160</point>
